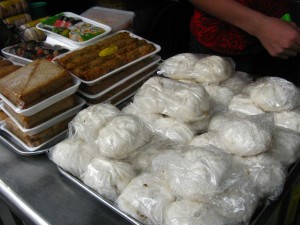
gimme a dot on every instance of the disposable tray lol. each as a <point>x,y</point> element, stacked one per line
<point>20,147</point>
<point>92,82</point>
<point>115,18</point>
<point>125,93</point>
<point>22,60</point>
<point>87,95</point>
<point>43,104</point>
<point>49,123</point>
<point>70,42</point>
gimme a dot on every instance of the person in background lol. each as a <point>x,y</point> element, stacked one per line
<point>251,32</point>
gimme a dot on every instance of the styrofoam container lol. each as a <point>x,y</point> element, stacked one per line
<point>145,77</point>
<point>43,104</point>
<point>155,61</point>
<point>107,30</point>
<point>49,123</point>
<point>115,18</point>
<point>18,59</point>
<point>92,82</point>
<point>51,141</point>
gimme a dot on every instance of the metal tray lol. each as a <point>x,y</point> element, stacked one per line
<point>92,82</point>
<point>100,198</point>
<point>21,150</point>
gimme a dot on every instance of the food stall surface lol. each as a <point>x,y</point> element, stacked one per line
<point>34,189</point>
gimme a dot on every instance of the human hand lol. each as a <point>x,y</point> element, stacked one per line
<point>280,38</point>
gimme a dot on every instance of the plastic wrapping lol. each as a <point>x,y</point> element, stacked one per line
<point>274,94</point>
<point>267,174</point>
<point>73,155</point>
<point>238,202</point>
<point>243,135</point>
<point>108,177</point>
<point>243,104</point>
<point>185,102</point>
<point>286,146</point>
<point>195,174</point>
<point>146,198</point>
<point>196,67</point>
<point>206,139</point>
<point>288,119</point>
<point>237,82</point>
<point>89,121</point>
<point>121,136</point>
<point>192,213</point>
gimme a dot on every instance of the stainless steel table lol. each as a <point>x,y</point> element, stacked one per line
<point>35,190</point>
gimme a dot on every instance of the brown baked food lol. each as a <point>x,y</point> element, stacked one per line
<point>34,82</point>
<point>114,78</point>
<point>94,61</point>
<point>3,115</point>
<point>5,70</point>
<point>40,138</point>
<point>45,114</point>
<point>109,96</point>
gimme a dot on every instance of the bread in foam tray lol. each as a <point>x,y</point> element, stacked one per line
<point>34,83</point>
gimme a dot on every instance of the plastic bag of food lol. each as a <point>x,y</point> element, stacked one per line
<point>192,213</point>
<point>90,120</point>
<point>146,198</point>
<point>108,177</point>
<point>122,136</point>
<point>241,103</point>
<point>184,102</point>
<point>237,82</point>
<point>267,174</point>
<point>288,119</point>
<point>238,202</point>
<point>274,94</point>
<point>286,146</point>
<point>197,67</point>
<point>206,139</point>
<point>73,155</point>
<point>196,173</point>
<point>243,135</point>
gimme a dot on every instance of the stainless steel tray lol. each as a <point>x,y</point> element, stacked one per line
<point>106,202</point>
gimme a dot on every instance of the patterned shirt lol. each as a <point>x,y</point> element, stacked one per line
<point>224,38</point>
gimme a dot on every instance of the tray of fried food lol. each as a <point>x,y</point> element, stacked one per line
<point>93,63</point>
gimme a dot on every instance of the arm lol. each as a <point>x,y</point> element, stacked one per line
<point>279,38</point>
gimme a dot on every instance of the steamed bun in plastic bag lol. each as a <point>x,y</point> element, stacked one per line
<point>206,139</point>
<point>192,213</point>
<point>122,136</point>
<point>195,174</point>
<point>90,120</point>
<point>237,82</point>
<point>108,177</point>
<point>238,202</point>
<point>243,136</point>
<point>185,102</point>
<point>286,146</point>
<point>274,94</point>
<point>73,155</point>
<point>267,174</point>
<point>146,198</point>
<point>243,104</point>
<point>288,119</point>
<point>199,68</point>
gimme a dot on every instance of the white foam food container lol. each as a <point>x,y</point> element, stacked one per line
<point>45,103</point>
<point>49,123</point>
<point>92,82</point>
<point>19,59</point>
<point>87,95</point>
<point>51,141</point>
<point>115,18</point>
<point>67,41</point>
<point>145,77</point>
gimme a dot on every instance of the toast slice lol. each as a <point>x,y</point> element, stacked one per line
<point>33,81</point>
